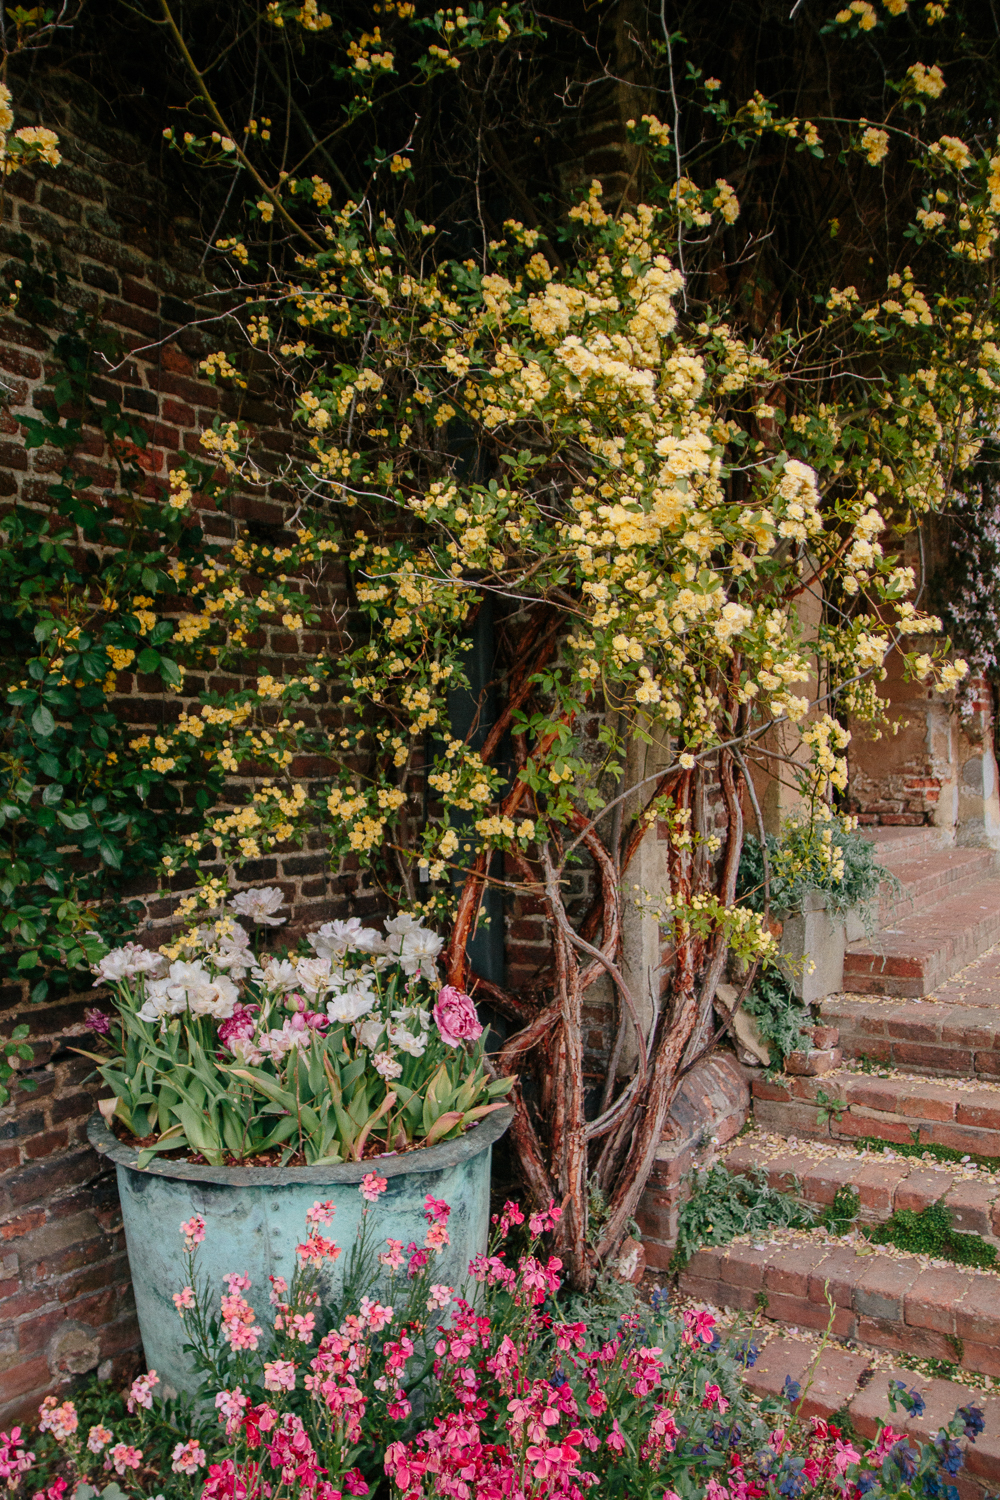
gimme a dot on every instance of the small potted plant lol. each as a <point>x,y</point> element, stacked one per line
<point>244,1081</point>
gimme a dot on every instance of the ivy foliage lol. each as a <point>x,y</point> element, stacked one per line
<point>78,826</point>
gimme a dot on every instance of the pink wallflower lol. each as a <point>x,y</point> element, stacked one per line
<point>55,1491</point>
<point>418,1259</point>
<point>570,1335</point>
<point>698,1325</point>
<point>716,1491</point>
<point>320,1213</point>
<point>440,1297</point>
<point>62,1421</point>
<point>141,1393</point>
<point>98,1438</point>
<point>714,1397</point>
<point>188,1457</point>
<point>301,1326</point>
<point>398,1405</point>
<point>15,1459</point>
<point>375,1315</point>
<point>436,1210</point>
<point>355,1482</point>
<point>393,1257</point>
<point>184,1300</point>
<point>231,1406</point>
<point>279,1375</point>
<point>193,1231</point>
<point>122,1456</point>
<point>279,1286</point>
<point>546,1220</point>
<point>227,1482</point>
<point>315,1247</point>
<point>845,1454</point>
<point>511,1215</point>
<point>237,1283</point>
<point>372,1186</point>
<point>455,1017</point>
<point>437,1238</point>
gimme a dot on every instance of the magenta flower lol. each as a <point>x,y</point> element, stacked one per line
<point>97,1021</point>
<point>455,1017</point>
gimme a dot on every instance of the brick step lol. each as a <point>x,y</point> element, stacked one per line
<point>881,1297</point>
<point>884,1184</point>
<point>925,1036</point>
<point>944,871</point>
<point>840,1382</point>
<point>893,843</point>
<point>928,945</point>
<point>964,1116</point>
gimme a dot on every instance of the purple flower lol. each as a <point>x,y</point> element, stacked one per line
<point>96,1020</point>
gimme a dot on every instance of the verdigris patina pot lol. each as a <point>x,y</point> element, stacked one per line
<point>255,1217</point>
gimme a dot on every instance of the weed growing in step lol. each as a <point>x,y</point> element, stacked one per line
<point>724,1204</point>
<point>780,1016</point>
<point>930,1232</point>
<point>828,1107</point>
<point>839,1216</point>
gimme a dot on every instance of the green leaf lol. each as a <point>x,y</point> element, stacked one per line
<point>77,821</point>
<point>42,721</point>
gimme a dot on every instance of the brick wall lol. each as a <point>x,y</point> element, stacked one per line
<point>131,254</point>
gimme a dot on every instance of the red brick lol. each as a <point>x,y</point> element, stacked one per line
<point>922,1187</point>
<point>979,1109</point>
<point>971,1206</point>
<point>881,1286</point>
<point>877,1184</point>
<point>744,1267</point>
<point>789,1269</point>
<point>886,1333</point>
<point>978,1316</point>
<point>934,1297</point>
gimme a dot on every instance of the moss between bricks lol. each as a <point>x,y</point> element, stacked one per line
<point>918,1150</point>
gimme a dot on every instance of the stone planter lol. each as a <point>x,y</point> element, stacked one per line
<point>813,935</point>
<point>255,1217</point>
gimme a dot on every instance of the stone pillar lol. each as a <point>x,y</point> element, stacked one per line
<point>649,870</point>
<point>977,822</point>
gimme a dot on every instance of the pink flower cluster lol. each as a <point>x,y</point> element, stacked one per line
<point>141,1393</point>
<point>62,1421</point>
<point>239,1326</point>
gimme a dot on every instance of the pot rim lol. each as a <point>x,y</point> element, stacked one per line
<point>425,1159</point>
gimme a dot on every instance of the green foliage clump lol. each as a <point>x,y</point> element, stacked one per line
<point>724,1204</point>
<point>838,1216</point>
<point>781,1017</point>
<point>830,858</point>
<point>930,1232</point>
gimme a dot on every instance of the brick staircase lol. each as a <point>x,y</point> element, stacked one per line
<point>908,1056</point>
<point>946,916</point>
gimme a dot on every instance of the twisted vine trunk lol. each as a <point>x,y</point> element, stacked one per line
<point>562,1151</point>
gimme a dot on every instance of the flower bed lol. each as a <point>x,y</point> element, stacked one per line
<point>499,1389</point>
